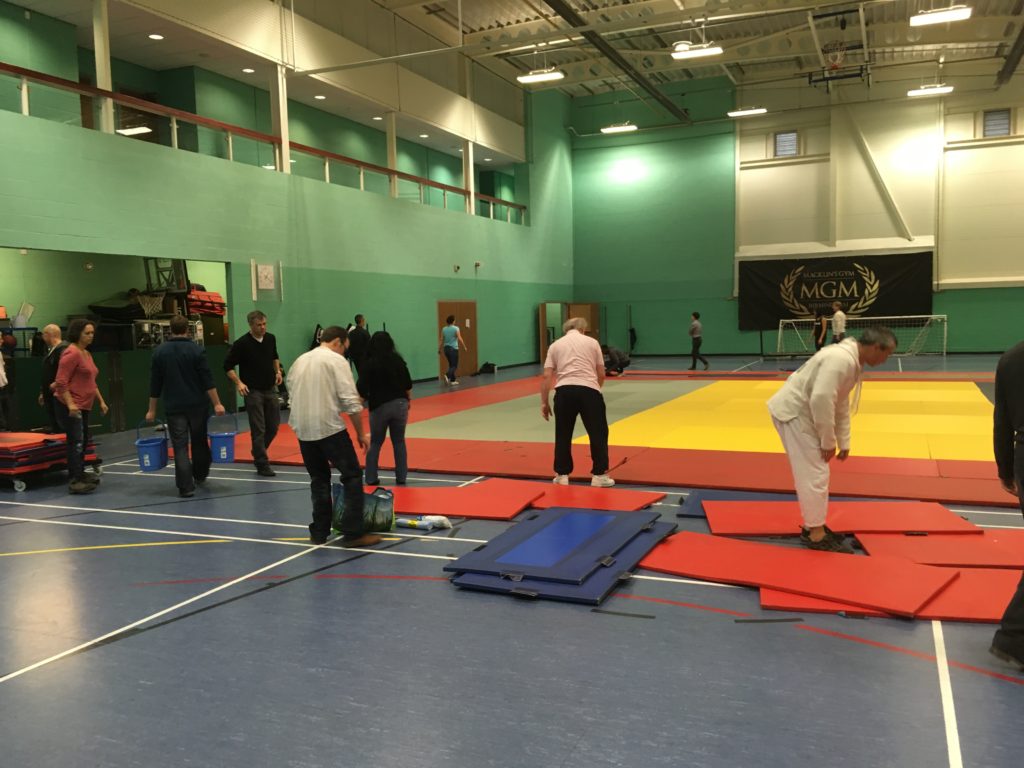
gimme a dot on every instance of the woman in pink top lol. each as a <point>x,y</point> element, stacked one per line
<point>76,392</point>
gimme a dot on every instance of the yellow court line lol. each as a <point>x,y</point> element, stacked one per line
<point>115,546</point>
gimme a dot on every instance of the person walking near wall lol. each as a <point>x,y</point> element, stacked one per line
<point>180,375</point>
<point>696,332</point>
<point>451,338</point>
<point>358,341</point>
<point>574,368</point>
<point>820,330</point>
<point>55,347</point>
<point>1008,445</point>
<point>838,322</point>
<point>321,387</point>
<point>76,393</point>
<point>259,372</point>
<point>386,385</point>
<point>811,413</point>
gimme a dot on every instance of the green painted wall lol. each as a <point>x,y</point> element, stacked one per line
<point>343,251</point>
<point>973,313</point>
<point>654,223</point>
<point>44,44</point>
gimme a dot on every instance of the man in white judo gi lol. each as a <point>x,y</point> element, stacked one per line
<point>812,416</point>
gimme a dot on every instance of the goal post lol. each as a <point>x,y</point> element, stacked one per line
<point>915,334</point>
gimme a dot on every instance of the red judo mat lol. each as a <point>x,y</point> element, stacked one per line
<point>587,497</point>
<point>994,548</point>
<point>977,594</point>
<point>782,518</point>
<point>889,584</point>
<point>486,500</point>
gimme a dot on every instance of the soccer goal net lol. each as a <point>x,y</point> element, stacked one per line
<point>915,334</point>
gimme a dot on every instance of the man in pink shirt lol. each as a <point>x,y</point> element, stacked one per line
<point>575,369</point>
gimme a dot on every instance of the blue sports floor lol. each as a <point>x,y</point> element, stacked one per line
<point>140,629</point>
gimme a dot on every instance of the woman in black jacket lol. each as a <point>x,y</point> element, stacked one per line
<point>384,382</point>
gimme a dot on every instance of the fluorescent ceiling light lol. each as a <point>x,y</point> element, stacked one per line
<point>424,135</point>
<point>487,159</point>
<point>746,111</point>
<point>319,97</point>
<point>688,50</point>
<point>541,75</point>
<point>377,117</point>
<point>270,167</point>
<point>937,89</point>
<point>619,128</point>
<point>155,36</point>
<point>248,70</point>
<point>941,15</point>
<point>136,131</point>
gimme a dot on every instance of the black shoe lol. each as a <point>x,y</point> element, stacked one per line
<point>694,368</point>
<point>81,486</point>
<point>706,366</point>
<point>186,494</point>
<point>199,480</point>
<point>830,542</point>
<point>805,534</point>
<point>265,472</point>
<point>92,478</point>
<point>1008,658</point>
<point>361,540</point>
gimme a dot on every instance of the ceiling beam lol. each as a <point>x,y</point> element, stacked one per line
<point>1012,60</point>
<point>573,19</point>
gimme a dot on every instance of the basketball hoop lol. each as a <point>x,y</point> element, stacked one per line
<point>834,52</point>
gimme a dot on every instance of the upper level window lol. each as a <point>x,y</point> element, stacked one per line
<point>786,144</point>
<point>996,122</point>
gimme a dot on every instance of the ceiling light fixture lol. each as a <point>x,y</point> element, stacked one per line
<point>487,159</point>
<point>687,50</point>
<point>935,89</point>
<point>155,36</point>
<point>625,127</point>
<point>377,117</point>
<point>319,97</point>
<point>136,131</point>
<point>541,75</point>
<point>746,111</point>
<point>424,135</point>
<point>941,15</point>
<point>270,167</point>
<point>248,70</point>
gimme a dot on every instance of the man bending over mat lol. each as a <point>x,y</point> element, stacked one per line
<point>812,416</point>
<point>1008,440</point>
<point>575,366</point>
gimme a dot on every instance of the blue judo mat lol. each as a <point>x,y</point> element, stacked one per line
<point>592,591</point>
<point>693,505</point>
<point>556,544</point>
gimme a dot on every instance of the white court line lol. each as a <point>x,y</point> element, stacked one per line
<point>686,581</point>
<point>235,479</point>
<point>755,362</point>
<point>984,512</point>
<point>158,614</point>
<point>470,482</point>
<point>946,689</point>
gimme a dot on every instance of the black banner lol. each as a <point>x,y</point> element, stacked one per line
<point>866,286</point>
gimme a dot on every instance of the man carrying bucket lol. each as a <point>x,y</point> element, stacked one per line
<point>182,377</point>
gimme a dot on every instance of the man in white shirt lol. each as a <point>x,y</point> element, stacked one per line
<point>812,416</point>
<point>321,388</point>
<point>838,322</point>
<point>575,368</point>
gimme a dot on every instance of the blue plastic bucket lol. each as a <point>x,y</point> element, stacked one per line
<point>152,450</point>
<point>222,444</point>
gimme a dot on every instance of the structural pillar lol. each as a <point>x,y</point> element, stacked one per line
<point>279,116</point>
<point>101,46</point>
<point>392,142</point>
<point>468,176</point>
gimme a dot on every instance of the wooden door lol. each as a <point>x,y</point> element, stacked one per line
<point>550,316</point>
<point>465,318</point>
<point>591,313</point>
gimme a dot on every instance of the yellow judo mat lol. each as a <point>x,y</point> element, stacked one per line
<point>897,419</point>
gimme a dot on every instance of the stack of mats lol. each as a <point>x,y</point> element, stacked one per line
<point>923,560</point>
<point>560,553</point>
<point>25,452</point>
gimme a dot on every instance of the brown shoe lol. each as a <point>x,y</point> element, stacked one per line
<point>363,540</point>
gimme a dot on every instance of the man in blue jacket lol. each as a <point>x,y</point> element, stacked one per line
<point>180,375</point>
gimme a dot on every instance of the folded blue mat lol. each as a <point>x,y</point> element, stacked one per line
<point>592,591</point>
<point>556,544</point>
<point>693,505</point>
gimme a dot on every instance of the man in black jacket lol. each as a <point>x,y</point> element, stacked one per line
<point>1008,443</point>
<point>180,374</point>
<point>358,343</point>
<point>259,371</point>
<point>55,347</point>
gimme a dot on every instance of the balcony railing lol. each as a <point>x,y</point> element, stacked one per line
<point>183,130</point>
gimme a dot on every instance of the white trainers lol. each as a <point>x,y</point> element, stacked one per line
<point>602,481</point>
<point>560,480</point>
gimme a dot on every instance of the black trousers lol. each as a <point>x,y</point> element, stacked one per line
<point>587,403</point>
<point>1010,635</point>
<point>695,354</point>
<point>319,456</point>
<point>76,428</point>
<point>51,411</point>
<point>6,417</point>
<point>264,413</point>
<point>189,428</point>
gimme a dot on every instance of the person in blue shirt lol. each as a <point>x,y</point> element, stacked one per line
<point>180,375</point>
<point>451,338</point>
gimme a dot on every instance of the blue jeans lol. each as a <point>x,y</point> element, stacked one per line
<point>185,428</point>
<point>77,431</point>
<point>391,417</point>
<point>451,354</point>
<point>319,456</point>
